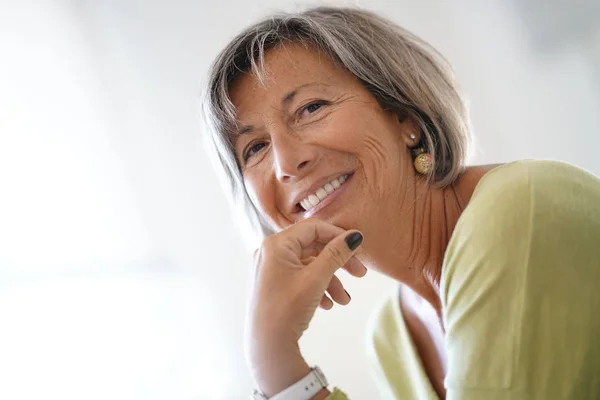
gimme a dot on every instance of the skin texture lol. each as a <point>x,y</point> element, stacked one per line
<point>313,120</point>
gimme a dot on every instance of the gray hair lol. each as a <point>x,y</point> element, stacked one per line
<point>404,73</point>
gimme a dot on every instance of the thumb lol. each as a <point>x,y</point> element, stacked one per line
<point>338,252</point>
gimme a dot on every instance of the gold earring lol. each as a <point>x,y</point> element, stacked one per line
<point>423,161</point>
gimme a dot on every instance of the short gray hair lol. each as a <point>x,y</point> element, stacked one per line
<point>404,73</point>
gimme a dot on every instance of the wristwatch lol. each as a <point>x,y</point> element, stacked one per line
<point>304,389</point>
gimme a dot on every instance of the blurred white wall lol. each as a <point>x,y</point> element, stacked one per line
<point>122,275</point>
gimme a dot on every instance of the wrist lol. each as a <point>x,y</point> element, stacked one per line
<point>278,368</point>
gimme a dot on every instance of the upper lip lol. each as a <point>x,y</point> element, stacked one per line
<point>300,195</point>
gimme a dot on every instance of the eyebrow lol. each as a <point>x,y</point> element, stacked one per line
<point>290,96</point>
<point>286,100</point>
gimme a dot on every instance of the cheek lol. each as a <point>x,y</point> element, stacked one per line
<point>257,192</point>
<point>379,148</point>
<point>375,149</point>
<point>262,196</point>
<point>365,130</point>
<point>381,154</point>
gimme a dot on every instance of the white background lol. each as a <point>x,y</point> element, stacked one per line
<point>122,274</point>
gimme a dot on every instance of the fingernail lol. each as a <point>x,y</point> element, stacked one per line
<point>354,240</point>
<point>350,297</point>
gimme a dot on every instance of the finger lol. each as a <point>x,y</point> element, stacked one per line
<point>355,268</point>
<point>304,234</point>
<point>312,250</point>
<point>308,260</point>
<point>337,253</point>
<point>326,303</point>
<point>337,292</point>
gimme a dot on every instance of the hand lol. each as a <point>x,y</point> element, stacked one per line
<point>294,269</point>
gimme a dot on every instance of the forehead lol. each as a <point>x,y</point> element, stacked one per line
<point>285,68</point>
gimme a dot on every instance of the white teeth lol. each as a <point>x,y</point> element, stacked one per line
<point>323,192</point>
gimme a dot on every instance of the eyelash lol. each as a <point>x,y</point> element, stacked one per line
<point>320,103</point>
<point>314,103</point>
<point>250,147</point>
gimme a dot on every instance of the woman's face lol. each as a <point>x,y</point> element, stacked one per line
<point>310,124</point>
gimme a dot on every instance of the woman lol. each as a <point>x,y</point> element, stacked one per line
<point>335,125</point>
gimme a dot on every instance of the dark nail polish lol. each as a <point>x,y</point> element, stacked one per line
<point>354,240</point>
<point>350,297</point>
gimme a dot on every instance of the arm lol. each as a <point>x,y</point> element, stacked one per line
<point>275,378</point>
<point>287,292</point>
<point>323,394</point>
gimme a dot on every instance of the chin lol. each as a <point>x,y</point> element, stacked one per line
<point>342,220</point>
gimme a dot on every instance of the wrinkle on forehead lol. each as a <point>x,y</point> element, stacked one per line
<point>289,56</point>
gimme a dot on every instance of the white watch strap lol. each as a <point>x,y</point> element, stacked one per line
<point>305,389</point>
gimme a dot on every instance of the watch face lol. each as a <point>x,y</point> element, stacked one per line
<point>321,376</point>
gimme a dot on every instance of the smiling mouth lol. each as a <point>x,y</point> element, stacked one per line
<point>312,201</point>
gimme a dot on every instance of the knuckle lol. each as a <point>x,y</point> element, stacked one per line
<point>268,248</point>
<point>336,254</point>
<point>268,243</point>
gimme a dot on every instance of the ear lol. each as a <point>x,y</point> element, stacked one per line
<point>408,130</point>
<point>411,134</point>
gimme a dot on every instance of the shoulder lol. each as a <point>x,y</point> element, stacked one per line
<point>522,216</point>
<point>507,197</point>
<point>498,210</point>
<point>511,178</point>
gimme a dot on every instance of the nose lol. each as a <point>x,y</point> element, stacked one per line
<point>292,157</point>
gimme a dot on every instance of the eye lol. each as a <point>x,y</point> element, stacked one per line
<point>253,149</point>
<point>312,107</point>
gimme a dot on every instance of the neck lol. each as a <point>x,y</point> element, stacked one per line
<point>420,235</point>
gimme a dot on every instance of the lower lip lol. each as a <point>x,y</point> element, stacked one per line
<point>325,202</point>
